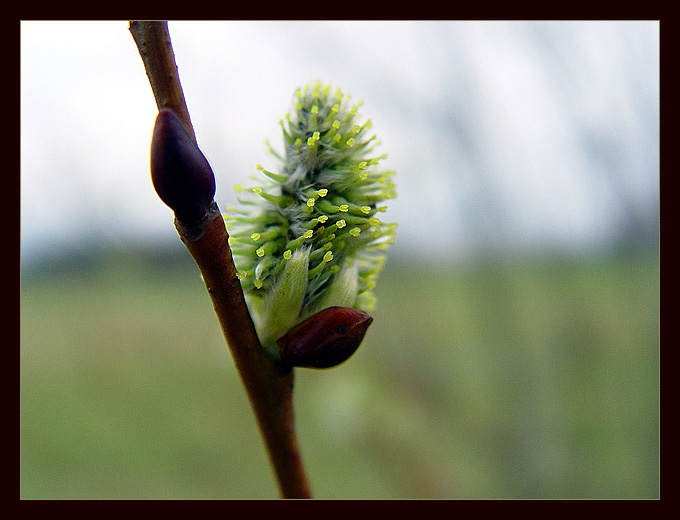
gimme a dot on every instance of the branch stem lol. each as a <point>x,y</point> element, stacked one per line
<point>269,387</point>
<point>155,48</point>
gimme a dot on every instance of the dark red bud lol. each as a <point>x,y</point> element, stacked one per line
<point>180,172</point>
<point>325,339</point>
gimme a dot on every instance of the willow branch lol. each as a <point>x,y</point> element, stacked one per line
<point>155,48</point>
<point>269,388</point>
<point>269,391</point>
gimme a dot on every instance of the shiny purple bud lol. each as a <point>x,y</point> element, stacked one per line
<point>180,172</point>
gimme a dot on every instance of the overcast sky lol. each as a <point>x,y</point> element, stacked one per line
<point>520,134</point>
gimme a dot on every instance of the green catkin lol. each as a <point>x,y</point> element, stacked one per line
<point>308,237</point>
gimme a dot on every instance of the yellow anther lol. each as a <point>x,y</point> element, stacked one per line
<point>340,223</point>
<point>287,254</point>
<point>323,192</point>
<point>311,141</point>
<point>311,201</point>
<point>255,236</point>
<point>260,251</point>
<point>355,232</point>
<point>344,208</point>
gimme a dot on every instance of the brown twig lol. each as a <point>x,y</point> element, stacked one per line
<point>269,388</point>
<point>155,48</point>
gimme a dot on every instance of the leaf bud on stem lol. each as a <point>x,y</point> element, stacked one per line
<point>180,172</point>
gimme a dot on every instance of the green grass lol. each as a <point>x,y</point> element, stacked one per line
<point>519,380</point>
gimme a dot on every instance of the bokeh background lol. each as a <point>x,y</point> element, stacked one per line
<point>515,347</point>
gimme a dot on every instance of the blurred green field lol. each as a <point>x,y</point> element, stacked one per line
<point>500,380</point>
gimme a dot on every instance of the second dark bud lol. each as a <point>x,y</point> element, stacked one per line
<point>325,339</point>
